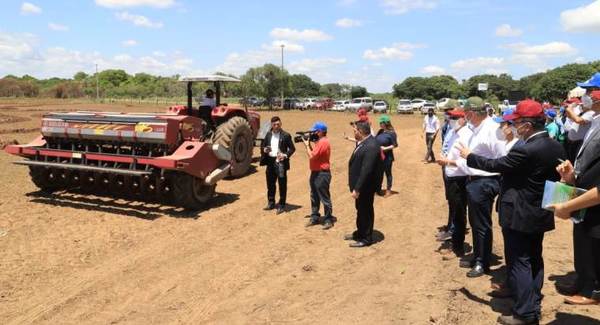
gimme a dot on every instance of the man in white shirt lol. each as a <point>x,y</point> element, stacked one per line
<point>482,187</point>
<point>431,126</point>
<point>578,123</point>
<point>456,180</point>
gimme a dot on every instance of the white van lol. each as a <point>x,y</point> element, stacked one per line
<point>361,102</point>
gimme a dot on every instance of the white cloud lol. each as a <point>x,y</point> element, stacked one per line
<point>348,23</point>
<point>159,54</point>
<point>506,30</point>
<point>315,65</point>
<point>58,27</point>
<point>20,54</point>
<point>238,63</point>
<point>552,49</point>
<point>580,60</point>
<point>433,70</point>
<point>398,7</point>
<point>288,46</point>
<point>138,20</point>
<point>129,43</point>
<point>398,51</point>
<point>306,35</point>
<point>135,3</point>
<point>28,8</point>
<point>490,65</point>
<point>582,19</point>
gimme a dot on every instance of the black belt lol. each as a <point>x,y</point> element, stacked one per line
<point>474,178</point>
<point>456,178</point>
<point>321,171</point>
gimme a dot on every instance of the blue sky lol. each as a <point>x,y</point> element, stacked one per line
<point>374,43</point>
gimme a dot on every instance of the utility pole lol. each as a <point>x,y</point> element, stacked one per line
<point>97,89</point>
<point>282,85</point>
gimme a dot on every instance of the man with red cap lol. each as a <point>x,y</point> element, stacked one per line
<point>525,169</point>
<point>585,174</point>
<point>456,182</point>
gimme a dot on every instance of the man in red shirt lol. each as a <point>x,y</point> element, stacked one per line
<point>320,176</point>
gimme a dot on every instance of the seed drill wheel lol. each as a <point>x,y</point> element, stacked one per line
<point>45,179</point>
<point>190,192</point>
<point>236,135</point>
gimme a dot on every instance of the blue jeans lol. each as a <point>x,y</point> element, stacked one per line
<point>319,193</point>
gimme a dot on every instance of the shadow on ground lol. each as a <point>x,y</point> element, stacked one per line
<point>126,207</point>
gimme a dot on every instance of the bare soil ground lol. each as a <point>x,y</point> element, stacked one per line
<point>73,259</point>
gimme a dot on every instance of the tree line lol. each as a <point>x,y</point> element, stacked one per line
<point>268,80</point>
<point>552,85</point>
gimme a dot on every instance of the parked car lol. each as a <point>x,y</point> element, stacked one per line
<point>507,104</point>
<point>346,104</point>
<point>417,103</point>
<point>404,107</point>
<point>442,103</point>
<point>426,106</point>
<point>324,104</point>
<point>291,103</point>
<point>338,106</point>
<point>251,101</point>
<point>380,106</point>
<point>309,103</point>
<point>361,102</point>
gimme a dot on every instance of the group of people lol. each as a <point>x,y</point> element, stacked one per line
<point>507,160</point>
<point>371,158</point>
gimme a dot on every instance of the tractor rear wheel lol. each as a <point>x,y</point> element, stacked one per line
<point>190,192</point>
<point>236,135</point>
<point>45,179</point>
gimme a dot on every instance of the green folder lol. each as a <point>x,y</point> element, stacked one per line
<point>557,192</point>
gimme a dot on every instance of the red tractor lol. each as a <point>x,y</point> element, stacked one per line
<point>176,157</point>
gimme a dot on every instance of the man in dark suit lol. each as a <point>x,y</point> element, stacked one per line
<point>586,235</point>
<point>524,171</point>
<point>276,149</point>
<point>365,174</point>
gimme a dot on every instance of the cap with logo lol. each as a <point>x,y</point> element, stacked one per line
<point>526,108</point>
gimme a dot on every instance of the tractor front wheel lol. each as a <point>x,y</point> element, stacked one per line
<point>236,135</point>
<point>190,192</point>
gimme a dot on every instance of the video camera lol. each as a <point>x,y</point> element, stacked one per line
<point>306,135</point>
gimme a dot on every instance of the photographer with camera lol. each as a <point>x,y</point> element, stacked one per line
<point>320,174</point>
<point>275,152</point>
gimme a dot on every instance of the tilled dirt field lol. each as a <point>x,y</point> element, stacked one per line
<point>76,259</point>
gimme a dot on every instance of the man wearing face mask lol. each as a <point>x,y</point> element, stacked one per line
<point>505,132</point>
<point>580,117</point>
<point>525,170</point>
<point>482,186</point>
<point>445,233</point>
<point>431,127</point>
<point>586,234</point>
<point>456,180</point>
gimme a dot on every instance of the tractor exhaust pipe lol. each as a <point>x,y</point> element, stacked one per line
<point>217,174</point>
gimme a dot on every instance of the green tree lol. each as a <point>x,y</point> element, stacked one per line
<point>556,83</point>
<point>301,85</point>
<point>358,91</point>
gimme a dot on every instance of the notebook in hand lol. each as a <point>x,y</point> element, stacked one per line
<point>557,192</point>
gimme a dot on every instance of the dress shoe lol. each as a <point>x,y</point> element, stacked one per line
<point>477,271</point>
<point>581,300</point>
<point>311,223</point>
<point>269,207</point>
<point>567,289</point>
<point>281,209</point>
<point>502,293</point>
<point>380,193</point>
<point>512,320</point>
<point>359,244</point>
<point>349,237</point>
<point>327,225</point>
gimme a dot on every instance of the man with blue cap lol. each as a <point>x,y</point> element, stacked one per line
<point>320,175</point>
